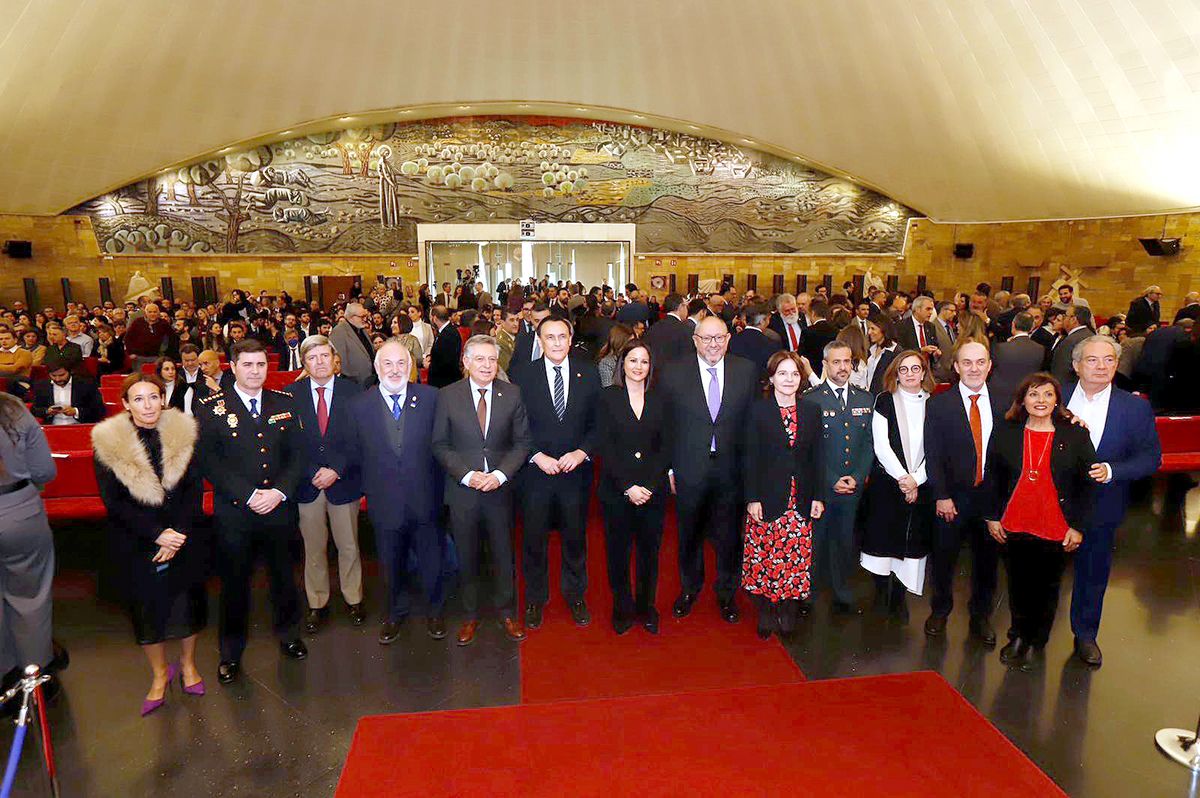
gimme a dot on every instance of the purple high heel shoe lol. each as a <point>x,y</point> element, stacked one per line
<point>149,705</point>
<point>194,689</point>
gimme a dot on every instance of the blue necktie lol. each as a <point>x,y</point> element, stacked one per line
<point>396,408</point>
<point>254,408</point>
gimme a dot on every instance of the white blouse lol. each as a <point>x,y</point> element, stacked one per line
<point>914,409</point>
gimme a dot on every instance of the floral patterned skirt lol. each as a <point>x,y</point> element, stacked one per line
<point>777,558</point>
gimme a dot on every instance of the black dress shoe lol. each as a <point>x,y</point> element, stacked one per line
<point>358,614</point>
<point>650,621</point>
<point>437,627</point>
<point>533,615</point>
<point>1088,653</point>
<point>935,625</point>
<point>580,614</point>
<point>622,623</point>
<point>842,608</point>
<point>804,608</point>
<point>294,649</point>
<point>1029,660</point>
<point>729,611</point>
<point>683,605</point>
<point>313,619</point>
<point>227,672</point>
<point>1009,652</point>
<point>389,631</point>
<point>981,628</point>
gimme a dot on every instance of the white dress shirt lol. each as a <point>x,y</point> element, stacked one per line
<point>489,392</point>
<point>1094,413</point>
<point>985,414</point>
<point>328,386</point>
<point>246,397</point>
<point>293,361</point>
<point>795,328</point>
<point>705,377</point>
<point>566,378</point>
<point>62,398</point>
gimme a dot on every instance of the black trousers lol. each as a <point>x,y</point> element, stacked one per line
<point>948,538</point>
<point>1035,571</point>
<point>709,508</point>
<point>632,529</point>
<point>490,513</point>
<point>543,502</point>
<point>242,538</point>
<point>421,537</point>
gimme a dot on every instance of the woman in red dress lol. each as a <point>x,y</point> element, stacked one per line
<point>780,480</point>
<point>1037,480</point>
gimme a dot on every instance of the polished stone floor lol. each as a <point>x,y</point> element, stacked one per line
<point>286,727</point>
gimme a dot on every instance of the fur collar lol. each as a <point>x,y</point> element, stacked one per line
<point>116,445</point>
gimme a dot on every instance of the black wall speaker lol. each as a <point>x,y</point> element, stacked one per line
<point>1158,247</point>
<point>964,251</point>
<point>18,249</point>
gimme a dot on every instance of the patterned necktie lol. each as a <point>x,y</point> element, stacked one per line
<point>254,409</point>
<point>322,411</point>
<point>560,394</point>
<point>714,402</point>
<point>977,436</point>
<point>482,410</point>
<point>396,407</point>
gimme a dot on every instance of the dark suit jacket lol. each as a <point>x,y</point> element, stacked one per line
<point>1013,361</point>
<point>364,444</point>
<point>460,446</point>
<point>906,334</point>
<point>552,437</point>
<point>771,464</point>
<point>85,397</point>
<point>320,451</point>
<point>632,451</point>
<point>1142,313</point>
<point>685,391</point>
<point>178,394</point>
<point>753,344</point>
<point>949,447</point>
<point>1046,338</point>
<point>812,345</point>
<point>669,339</point>
<point>1001,327</point>
<point>1071,455</point>
<point>1129,445</point>
<point>1060,358</point>
<point>281,348</point>
<point>591,334</point>
<point>523,350</point>
<point>1185,312</point>
<point>885,360</point>
<point>785,342</point>
<point>445,357</point>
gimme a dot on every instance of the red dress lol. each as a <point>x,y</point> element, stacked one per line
<point>778,553</point>
<point>1033,508</point>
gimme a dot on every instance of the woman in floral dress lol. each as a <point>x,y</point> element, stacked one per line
<point>780,480</point>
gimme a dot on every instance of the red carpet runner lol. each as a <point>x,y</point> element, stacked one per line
<point>561,662</point>
<point>905,735</point>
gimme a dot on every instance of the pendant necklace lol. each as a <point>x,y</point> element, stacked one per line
<point>1031,473</point>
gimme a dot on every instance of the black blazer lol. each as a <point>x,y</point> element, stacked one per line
<point>577,430</point>
<point>632,451</point>
<point>881,368</point>
<point>116,358</point>
<point>785,342</point>
<point>1071,455</point>
<point>770,464</point>
<point>1012,361</point>
<point>669,339</point>
<point>523,349</point>
<point>320,450</point>
<point>445,357</point>
<point>906,334</point>
<point>85,397</point>
<point>1143,313</point>
<point>949,447</point>
<point>754,345</point>
<point>812,345</point>
<point>687,411</point>
<point>178,394</point>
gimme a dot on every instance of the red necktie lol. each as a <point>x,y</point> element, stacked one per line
<point>921,335</point>
<point>792,337</point>
<point>322,411</point>
<point>977,434</point>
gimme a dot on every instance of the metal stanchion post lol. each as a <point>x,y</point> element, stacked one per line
<point>30,688</point>
<point>1181,745</point>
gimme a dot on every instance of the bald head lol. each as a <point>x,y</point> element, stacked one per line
<point>972,363</point>
<point>711,339</point>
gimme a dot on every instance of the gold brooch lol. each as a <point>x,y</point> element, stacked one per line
<point>219,408</point>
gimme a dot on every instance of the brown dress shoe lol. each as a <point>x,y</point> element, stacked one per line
<point>513,628</point>
<point>466,635</point>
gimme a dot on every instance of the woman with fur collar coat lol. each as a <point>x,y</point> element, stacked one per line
<point>150,483</point>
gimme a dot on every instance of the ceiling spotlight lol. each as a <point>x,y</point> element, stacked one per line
<point>581,109</point>
<point>286,133</point>
<point>694,127</point>
<point>747,141</point>
<point>638,116</point>
<point>523,105</point>
<point>463,107</point>
<point>345,119</point>
<point>225,149</point>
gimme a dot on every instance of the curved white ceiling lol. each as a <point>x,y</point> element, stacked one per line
<point>965,110</point>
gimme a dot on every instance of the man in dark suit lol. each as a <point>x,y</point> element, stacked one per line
<point>560,393</point>
<point>1047,335</point>
<point>445,356</point>
<point>251,450</point>
<point>481,438</point>
<point>389,442</point>
<point>1076,325</point>
<point>788,322</point>
<point>917,331</point>
<point>845,459</point>
<point>1190,309</point>
<point>752,342</point>
<point>819,333</point>
<point>288,348</point>
<point>671,337</point>
<point>1122,429</point>
<point>958,426</point>
<point>67,399</point>
<point>326,498</point>
<point>1015,359</point>
<point>708,396</point>
<point>1145,310</point>
<point>528,348</point>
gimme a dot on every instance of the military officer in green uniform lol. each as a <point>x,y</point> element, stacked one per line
<point>846,454</point>
<point>250,449</point>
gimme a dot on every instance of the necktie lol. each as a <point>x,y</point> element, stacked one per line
<point>841,395</point>
<point>482,410</point>
<point>294,360</point>
<point>560,395</point>
<point>950,332</point>
<point>921,335</point>
<point>977,436</point>
<point>863,324</point>
<point>792,337</point>
<point>322,411</point>
<point>254,408</point>
<point>396,408</point>
<point>714,401</point>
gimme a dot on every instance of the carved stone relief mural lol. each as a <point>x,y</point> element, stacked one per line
<point>365,190</point>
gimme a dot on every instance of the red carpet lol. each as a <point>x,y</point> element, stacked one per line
<point>905,735</point>
<point>561,662</point>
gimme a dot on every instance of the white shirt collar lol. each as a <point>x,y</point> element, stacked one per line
<point>1102,396</point>
<point>246,397</point>
<point>967,393</point>
<point>705,365</point>
<point>1015,336</point>
<point>387,395</point>
<point>476,388</point>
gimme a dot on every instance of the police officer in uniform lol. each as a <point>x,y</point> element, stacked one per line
<point>846,454</point>
<point>251,450</point>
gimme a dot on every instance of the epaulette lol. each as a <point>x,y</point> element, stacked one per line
<point>212,397</point>
<point>281,393</point>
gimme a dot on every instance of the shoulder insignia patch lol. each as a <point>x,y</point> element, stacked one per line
<point>212,397</point>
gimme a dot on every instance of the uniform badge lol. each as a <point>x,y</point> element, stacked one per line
<point>231,420</point>
<point>279,417</point>
<point>219,408</point>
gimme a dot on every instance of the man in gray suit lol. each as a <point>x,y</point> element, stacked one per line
<point>481,438</point>
<point>1077,325</point>
<point>1015,359</point>
<point>350,340</point>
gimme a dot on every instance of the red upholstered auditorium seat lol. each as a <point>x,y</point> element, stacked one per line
<point>112,381</point>
<point>942,387</point>
<point>69,437</point>
<point>1180,437</point>
<point>39,373</point>
<point>110,393</point>
<point>91,367</point>
<point>112,408</point>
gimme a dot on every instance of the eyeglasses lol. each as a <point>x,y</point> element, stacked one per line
<point>910,369</point>
<point>711,339</point>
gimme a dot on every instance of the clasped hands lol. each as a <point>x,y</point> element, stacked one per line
<point>562,465</point>
<point>484,482</point>
<point>324,478</point>
<point>845,485</point>
<point>169,543</point>
<point>908,486</point>
<point>1071,540</point>
<point>264,501</point>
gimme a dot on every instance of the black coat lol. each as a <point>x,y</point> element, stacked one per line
<point>885,360</point>
<point>812,345</point>
<point>906,334</point>
<point>669,339</point>
<point>770,465</point>
<point>1071,455</point>
<point>632,451</point>
<point>576,430</point>
<point>949,447</point>
<point>693,429</point>
<point>445,357</point>
<point>85,397</point>
<point>753,344</point>
<point>1142,314</point>
<point>893,527</point>
<point>785,342</point>
<point>1013,361</point>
